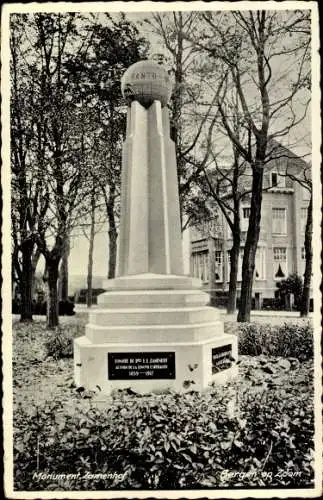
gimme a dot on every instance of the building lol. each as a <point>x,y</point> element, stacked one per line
<point>280,250</point>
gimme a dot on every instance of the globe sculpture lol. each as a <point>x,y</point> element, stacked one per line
<point>146,82</point>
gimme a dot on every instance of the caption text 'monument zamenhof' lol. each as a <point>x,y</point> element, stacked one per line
<point>77,475</point>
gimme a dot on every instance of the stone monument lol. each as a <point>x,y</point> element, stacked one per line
<point>153,329</point>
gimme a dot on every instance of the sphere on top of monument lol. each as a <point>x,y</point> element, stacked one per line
<point>146,82</point>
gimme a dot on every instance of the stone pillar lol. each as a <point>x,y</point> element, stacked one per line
<point>150,233</point>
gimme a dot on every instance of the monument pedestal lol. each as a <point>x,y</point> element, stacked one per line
<point>154,332</point>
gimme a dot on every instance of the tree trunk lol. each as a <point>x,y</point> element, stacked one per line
<point>90,258</point>
<point>63,275</point>
<point>305,301</point>
<point>248,264</point>
<point>34,261</point>
<point>52,296</point>
<point>26,283</point>
<point>113,234</point>
<point>234,262</point>
<point>176,131</point>
<point>236,235</point>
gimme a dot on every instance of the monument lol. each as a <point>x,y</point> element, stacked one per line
<point>152,329</point>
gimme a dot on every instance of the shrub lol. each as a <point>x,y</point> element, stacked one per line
<point>166,441</point>
<point>60,344</point>
<point>288,340</point>
<point>66,307</point>
<point>81,295</point>
<point>273,304</point>
<point>282,428</point>
<point>292,284</point>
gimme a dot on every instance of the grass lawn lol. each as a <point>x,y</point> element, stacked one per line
<point>266,440</point>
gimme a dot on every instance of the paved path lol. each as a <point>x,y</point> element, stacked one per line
<point>280,314</point>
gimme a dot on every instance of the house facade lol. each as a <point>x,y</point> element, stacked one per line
<point>280,250</point>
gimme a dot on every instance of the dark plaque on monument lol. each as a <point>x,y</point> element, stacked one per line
<point>221,358</point>
<point>141,365</point>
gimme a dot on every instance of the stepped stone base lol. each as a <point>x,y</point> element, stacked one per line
<point>154,332</point>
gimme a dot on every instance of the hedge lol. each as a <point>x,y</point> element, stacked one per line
<point>220,438</point>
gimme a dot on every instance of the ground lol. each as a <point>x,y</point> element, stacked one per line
<point>54,379</point>
<point>39,379</point>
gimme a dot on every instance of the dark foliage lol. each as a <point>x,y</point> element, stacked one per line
<point>65,307</point>
<point>169,441</point>
<point>60,344</point>
<point>80,297</point>
<point>293,284</point>
<point>288,340</point>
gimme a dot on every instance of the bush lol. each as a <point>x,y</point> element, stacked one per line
<point>60,344</point>
<point>293,284</point>
<point>81,295</point>
<point>288,340</point>
<point>167,441</point>
<point>65,307</point>
<point>273,304</point>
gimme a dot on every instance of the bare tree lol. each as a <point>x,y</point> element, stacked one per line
<point>56,63</point>
<point>251,45</point>
<point>53,175</point>
<point>26,187</point>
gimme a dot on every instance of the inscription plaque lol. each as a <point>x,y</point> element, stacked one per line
<point>141,365</point>
<point>221,358</point>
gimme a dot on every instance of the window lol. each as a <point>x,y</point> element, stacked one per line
<point>245,218</point>
<point>240,258</point>
<point>200,265</point>
<point>274,179</point>
<point>218,265</point>
<point>302,263</point>
<point>260,264</point>
<point>277,180</point>
<point>280,263</point>
<point>280,254</point>
<point>279,220</point>
<point>246,212</point>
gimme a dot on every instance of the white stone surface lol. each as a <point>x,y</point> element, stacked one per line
<point>146,81</point>
<point>154,317</point>
<point>152,298</point>
<point>93,359</point>
<point>150,234</point>
<point>149,281</point>
<point>162,333</point>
